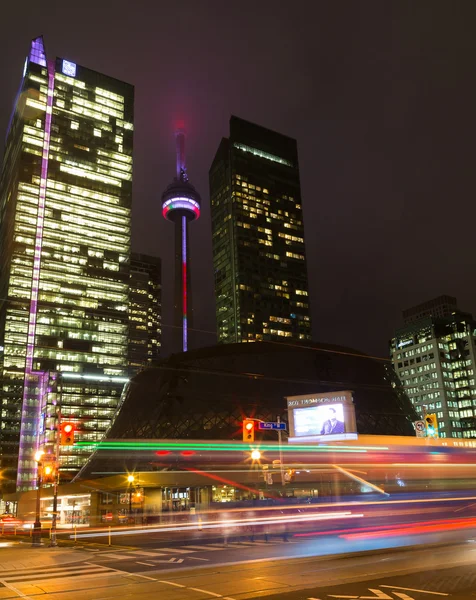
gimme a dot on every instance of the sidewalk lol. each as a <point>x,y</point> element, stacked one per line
<point>18,555</point>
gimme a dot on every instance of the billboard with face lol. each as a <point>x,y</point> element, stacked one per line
<point>317,415</point>
<point>323,419</point>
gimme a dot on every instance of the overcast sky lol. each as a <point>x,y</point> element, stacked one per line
<point>380,95</point>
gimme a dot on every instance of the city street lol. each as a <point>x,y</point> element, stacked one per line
<point>242,570</point>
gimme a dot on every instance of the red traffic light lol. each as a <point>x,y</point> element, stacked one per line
<point>248,430</point>
<point>67,434</point>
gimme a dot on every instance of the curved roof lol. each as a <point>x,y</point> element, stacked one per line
<point>206,393</point>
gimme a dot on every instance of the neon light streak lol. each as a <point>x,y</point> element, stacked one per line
<point>25,449</point>
<point>219,447</point>
<point>184,283</point>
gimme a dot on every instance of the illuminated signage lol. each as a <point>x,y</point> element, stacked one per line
<point>68,68</point>
<point>330,415</point>
<point>404,343</point>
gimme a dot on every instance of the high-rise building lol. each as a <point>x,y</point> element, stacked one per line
<point>181,205</point>
<point>65,205</point>
<point>145,310</point>
<point>443,306</point>
<point>259,257</point>
<point>435,360</point>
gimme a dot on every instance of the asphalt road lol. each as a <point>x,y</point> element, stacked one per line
<point>273,571</point>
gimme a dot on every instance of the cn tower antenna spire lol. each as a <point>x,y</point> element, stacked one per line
<point>180,148</point>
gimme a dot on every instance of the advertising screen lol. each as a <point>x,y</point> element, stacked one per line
<point>322,419</point>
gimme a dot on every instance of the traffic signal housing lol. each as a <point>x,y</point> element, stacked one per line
<point>431,423</point>
<point>67,434</point>
<point>248,430</point>
<point>48,472</point>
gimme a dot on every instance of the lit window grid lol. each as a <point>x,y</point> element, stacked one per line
<point>25,235</point>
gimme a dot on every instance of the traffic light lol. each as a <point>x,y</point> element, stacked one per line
<point>67,434</point>
<point>48,472</point>
<point>248,430</point>
<point>431,425</point>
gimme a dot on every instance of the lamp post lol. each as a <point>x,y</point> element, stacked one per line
<point>36,537</point>
<point>130,479</point>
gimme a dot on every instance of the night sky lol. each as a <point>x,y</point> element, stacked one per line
<point>380,95</point>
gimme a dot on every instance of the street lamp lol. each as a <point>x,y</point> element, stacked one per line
<point>36,537</point>
<point>256,455</point>
<point>130,479</point>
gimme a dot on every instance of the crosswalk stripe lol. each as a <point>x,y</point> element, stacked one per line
<point>144,553</point>
<point>117,556</point>
<point>175,550</point>
<point>55,574</point>
<point>47,569</point>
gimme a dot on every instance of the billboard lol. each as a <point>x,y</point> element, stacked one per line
<point>327,416</point>
<point>324,419</point>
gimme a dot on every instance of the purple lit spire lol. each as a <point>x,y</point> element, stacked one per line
<point>180,147</point>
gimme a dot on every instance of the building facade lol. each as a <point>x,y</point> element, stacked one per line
<point>65,205</point>
<point>443,306</point>
<point>259,258</point>
<point>145,310</point>
<point>435,360</point>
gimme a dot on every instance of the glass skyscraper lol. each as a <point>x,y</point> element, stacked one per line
<point>145,310</point>
<point>259,258</point>
<point>65,206</point>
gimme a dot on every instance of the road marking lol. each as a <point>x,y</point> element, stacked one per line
<point>146,564</point>
<point>464,507</point>
<point>176,550</point>
<point>144,553</point>
<point>205,548</point>
<point>197,558</point>
<point>206,592</point>
<point>171,583</point>
<point>143,576</point>
<point>14,589</point>
<point>116,556</point>
<point>396,587</point>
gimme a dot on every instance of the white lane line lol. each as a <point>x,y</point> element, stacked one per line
<point>176,550</point>
<point>208,548</point>
<point>197,558</point>
<point>143,576</point>
<point>206,592</point>
<point>116,556</point>
<point>146,564</point>
<point>143,553</point>
<point>396,587</point>
<point>171,583</point>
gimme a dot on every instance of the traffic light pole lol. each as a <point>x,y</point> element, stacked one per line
<point>278,420</point>
<point>36,537</point>
<point>54,542</point>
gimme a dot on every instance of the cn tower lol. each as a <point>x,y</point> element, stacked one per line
<point>181,205</point>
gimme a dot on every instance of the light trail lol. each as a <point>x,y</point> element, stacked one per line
<point>275,520</point>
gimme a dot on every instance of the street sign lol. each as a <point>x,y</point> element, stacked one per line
<point>271,425</point>
<point>420,428</point>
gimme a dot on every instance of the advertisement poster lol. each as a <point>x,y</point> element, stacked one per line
<point>322,419</point>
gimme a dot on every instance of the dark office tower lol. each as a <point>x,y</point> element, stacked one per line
<point>65,202</point>
<point>259,256</point>
<point>181,204</point>
<point>145,310</point>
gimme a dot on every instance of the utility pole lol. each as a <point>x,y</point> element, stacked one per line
<point>55,489</point>
<point>278,420</point>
